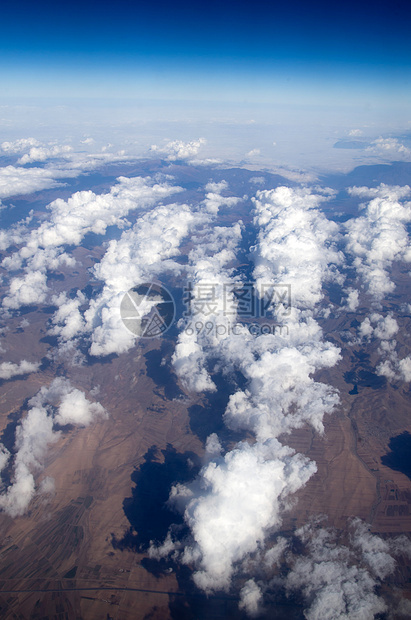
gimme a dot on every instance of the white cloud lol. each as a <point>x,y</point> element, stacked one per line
<point>233,503</point>
<point>39,153</point>
<point>140,255</point>
<point>254,153</point>
<point>250,598</point>
<point>352,302</point>
<point>59,404</point>
<point>339,581</point>
<point>67,321</point>
<point>19,146</point>
<point>239,497</point>
<point>389,148</point>
<point>26,291</point>
<point>355,133</point>
<point>9,370</point>
<point>257,180</point>
<point>68,223</point>
<point>210,289</point>
<point>379,237</point>
<point>19,181</point>
<point>214,200</point>
<point>296,242</point>
<point>178,150</point>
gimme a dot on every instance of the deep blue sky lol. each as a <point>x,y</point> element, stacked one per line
<point>253,49</point>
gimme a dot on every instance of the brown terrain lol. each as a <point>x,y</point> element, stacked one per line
<point>77,554</point>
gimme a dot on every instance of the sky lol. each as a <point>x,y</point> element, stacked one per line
<point>262,51</point>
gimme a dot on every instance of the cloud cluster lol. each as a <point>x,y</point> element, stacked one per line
<point>389,148</point>
<point>177,150</point>
<point>385,328</point>
<point>41,153</point>
<point>238,497</point>
<point>8,370</point>
<point>142,254</point>
<point>233,503</point>
<point>296,242</point>
<point>340,581</point>
<point>210,283</point>
<point>58,405</point>
<point>19,146</point>
<point>379,237</point>
<point>68,223</point>
<point>15,181</point>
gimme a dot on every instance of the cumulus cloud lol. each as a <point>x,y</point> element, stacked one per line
<point>389,148</point>
<point>68,223</point>
<point>385,328</point>
<point>296,242</point>
<point>59,404</point>
<point>18,146</point>
<point>67,321</point>
<point>214,200</point>
<point>238,497</point>
<point>141,254</point>
<point>355,133</point>
<point>9,369</point>
<point>210,294</point>
<point>254,152</point>
<point>352,301</point>
<point>250,598</point>
<point>379,237</point>
<point>339,580</point>
<point>26,291</point>
<point>233,503</point>
<point>16,181</point>
<point>177,150</point>
<point>38,153</point>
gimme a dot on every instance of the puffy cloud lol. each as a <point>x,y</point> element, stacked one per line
<point>352,302</point>
<point>389,148</point>
<point>86,211</point>
<point>18,146</point>
<point>355,133</point>
<point>379,237</point>
<point>340,581</point>
<point>140,255</point>
<point>231,506</point>
<point>281,393</point>
<point>38,153</point>
<point>59,404</point>
<point>68,223</point>
<point>210,283</point>
<point>67,321</point>
<point>385,326</point>
<point>213,200</point>
<point>296,242</point>
<point>9,370</point>
<point>18,181</point>
<point>178,150</point>
<point>33,436</point>
<point>393,368</point>
<point>238,498</point>
<point>28,290</point>
<point>257,180</point>
<point>250,598</point>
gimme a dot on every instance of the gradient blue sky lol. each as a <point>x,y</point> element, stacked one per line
<point>257,51</point>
